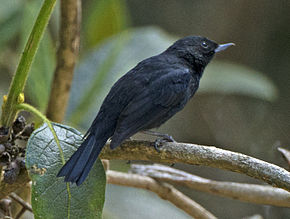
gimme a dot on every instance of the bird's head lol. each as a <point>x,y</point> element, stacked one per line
<point>196,50</point>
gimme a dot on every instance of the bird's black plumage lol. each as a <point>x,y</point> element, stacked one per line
<point>144,98</point>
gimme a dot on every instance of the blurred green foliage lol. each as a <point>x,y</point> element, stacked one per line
<point>103,18</point>
<point>10,14</point>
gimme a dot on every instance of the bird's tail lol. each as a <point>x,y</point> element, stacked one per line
<point>77,168</point>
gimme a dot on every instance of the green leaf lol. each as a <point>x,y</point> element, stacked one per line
<point>8,8</point>
<point>104,18</point>
<point>10,15</point>
<point>41,73</point>
<point>50,197</point>
<point>9,28</point>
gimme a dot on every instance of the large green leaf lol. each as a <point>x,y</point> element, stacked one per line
<point>230,78</point>
<point>41,73</point>
<point>8,8</point>
<point>92,80</point>
<point>50,197</point>
<point>9,28</point>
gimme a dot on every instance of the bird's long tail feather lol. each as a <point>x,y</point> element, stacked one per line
<point>77,168</point>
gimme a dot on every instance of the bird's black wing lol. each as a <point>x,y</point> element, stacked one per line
<point>157,102</point>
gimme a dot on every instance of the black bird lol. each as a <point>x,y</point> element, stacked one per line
<point>144,98</point>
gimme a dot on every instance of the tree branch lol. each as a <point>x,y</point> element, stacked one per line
<point>286,154</point>
<point>258,194</point>
<point>66,58</point>
<point>23,203</point>
<point>173,152</point>
<point>185,153</point>
<point>163,190</point>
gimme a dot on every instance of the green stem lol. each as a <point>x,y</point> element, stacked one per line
<point>17,85</point>
<point>36,112</point>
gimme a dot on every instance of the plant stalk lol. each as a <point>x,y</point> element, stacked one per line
<point>9,109</point>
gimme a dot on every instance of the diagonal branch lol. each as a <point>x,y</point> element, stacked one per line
<point>163,190</point>
<point>194,154</point>
<point>258,194</point>
<point>18,199</point>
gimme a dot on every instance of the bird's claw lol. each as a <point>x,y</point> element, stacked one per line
<point>168,138</point>
<point>159,141</point>
<point>158,144</point>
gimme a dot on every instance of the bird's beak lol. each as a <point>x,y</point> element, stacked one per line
<point>222,47</point>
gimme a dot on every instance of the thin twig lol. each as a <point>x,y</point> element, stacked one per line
<point>258,194</point>
<point>286,155</point>
<point>18,199</point>
<point>106,164</point>
<point>255,216</point>
<point>194,154</point>
<point>20,213</point>
<point>66,58</point>
<point>163,190</point>
<point>5,208</point>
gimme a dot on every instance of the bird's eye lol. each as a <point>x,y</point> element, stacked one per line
<point>204,44</point>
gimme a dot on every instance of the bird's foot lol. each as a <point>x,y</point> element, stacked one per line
<point>159,141</point>
<point>158,144</point>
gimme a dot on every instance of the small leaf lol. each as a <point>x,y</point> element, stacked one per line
<point>50,197</point>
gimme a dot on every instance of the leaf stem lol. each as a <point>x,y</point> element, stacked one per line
<point>9,109</point>
<point>36,112</point>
